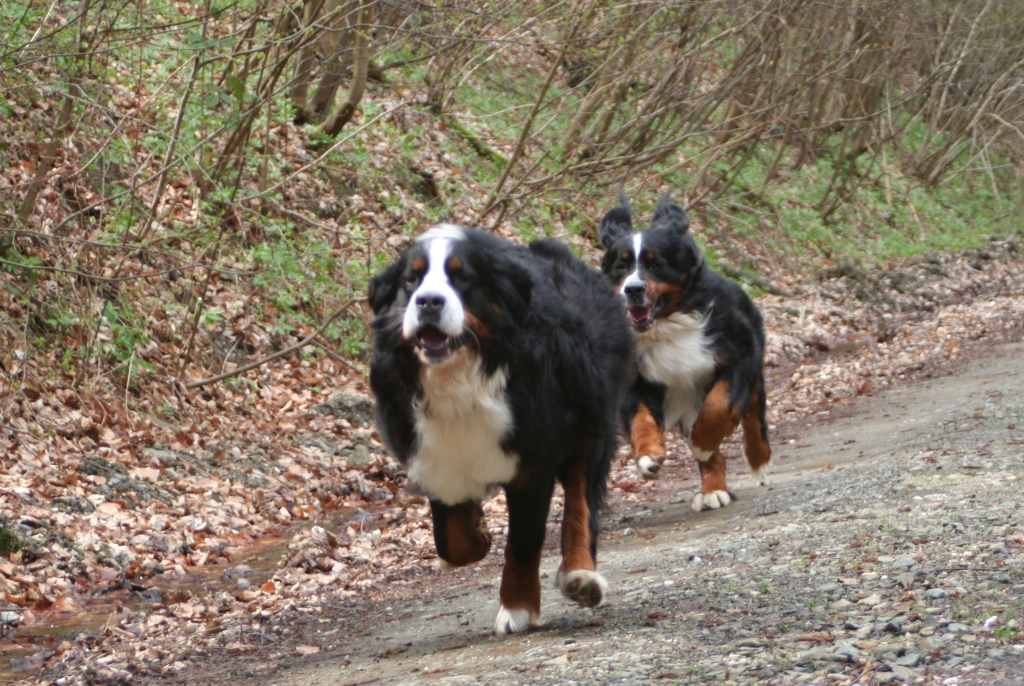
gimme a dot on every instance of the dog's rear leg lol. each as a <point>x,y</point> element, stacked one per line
<point>520,579</point>
<point>648,443</point>
<point>755,437</point>
<point>577,577</point>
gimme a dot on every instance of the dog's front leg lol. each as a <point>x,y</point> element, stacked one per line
<point>648,442</point>
<point>460,533</point>
<point>520,579</point>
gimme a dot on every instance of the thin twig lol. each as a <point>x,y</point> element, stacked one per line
<point>280,353</point>
<point>336,357</point>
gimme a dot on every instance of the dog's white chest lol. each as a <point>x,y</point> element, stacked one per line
<point>675,352</point>
<point>460,422</point>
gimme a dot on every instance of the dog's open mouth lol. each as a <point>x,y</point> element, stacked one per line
<point>640,318</point>
<point>435,344</point>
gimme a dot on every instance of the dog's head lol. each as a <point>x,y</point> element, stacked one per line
<point>453,289</point>
<point>652,270</point>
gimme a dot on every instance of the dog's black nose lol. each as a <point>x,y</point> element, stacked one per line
<point>430,303</point>
<point>634,290</point>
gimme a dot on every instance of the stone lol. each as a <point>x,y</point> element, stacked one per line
<point>360,456</point>
<point>870,601</point>
<point>895,625</point>
<point>911,659</point>
<point>904,562</point>
<point>936,593</point>
<point>903,673</point>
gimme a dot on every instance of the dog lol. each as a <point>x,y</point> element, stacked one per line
<point>700,342</point>
<point>496,365</point>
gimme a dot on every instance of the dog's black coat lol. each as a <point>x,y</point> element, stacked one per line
<point>670,261</point>
<point>555,329</point>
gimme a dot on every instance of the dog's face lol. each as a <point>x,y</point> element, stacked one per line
<point>449,291</point>
<point>652,270</point>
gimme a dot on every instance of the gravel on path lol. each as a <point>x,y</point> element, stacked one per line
<point>889,549</point>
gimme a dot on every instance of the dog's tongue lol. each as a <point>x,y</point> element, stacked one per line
<point>432,337</point>
<point>639,314</point>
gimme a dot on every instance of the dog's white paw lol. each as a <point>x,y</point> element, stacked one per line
<point>649,466</point>
<point>511,621</point>
<point>583,586</point>
<point>444,566</point>
<point>760,476</point>
<point>711,501</point>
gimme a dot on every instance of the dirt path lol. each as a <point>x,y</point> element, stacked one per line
<point>887,549</point>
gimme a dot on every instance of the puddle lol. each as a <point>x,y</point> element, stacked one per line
<point>27,648</point>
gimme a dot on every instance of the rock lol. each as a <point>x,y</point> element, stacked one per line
<point>841,604</point>
<point>904,673</point>
<point>811,656</point>
<point>97,466</point>
<point>849,653</point>
<point>237,572</point>
<point>996,653</point>
<point>851,625</point>
<point>9,617</point>
<point>243,584</point>
<point>936,593</point>
<point>911,659</point>
<point>895,625</point>
<point>904,562</point>
<point>957,628</point>
<point>73,505</point>
<point>360,456</point>
<point>870,601</point>
<point>352,408</point>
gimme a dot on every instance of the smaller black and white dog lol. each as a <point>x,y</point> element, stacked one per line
<point>498,365</point>
<point>701,343</point>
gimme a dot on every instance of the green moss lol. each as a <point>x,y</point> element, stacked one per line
<point>10,542</point>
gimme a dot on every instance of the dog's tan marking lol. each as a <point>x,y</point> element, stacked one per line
<point>468,537</point>
<point>712,474</point>
<point>478,327</point>
<point>576,520</point>
<point>520,584</point>
<point>645,435</point>
<point>454,264</point>
<point>715,422</point>
<point>756,449</point>
<point>419,264</point>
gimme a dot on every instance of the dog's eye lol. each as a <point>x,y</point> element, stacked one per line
<point>412,281</point>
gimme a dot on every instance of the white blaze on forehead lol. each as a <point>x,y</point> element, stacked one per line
<point>449,231</point>
<point>634,278</point>
<point>439,242</point>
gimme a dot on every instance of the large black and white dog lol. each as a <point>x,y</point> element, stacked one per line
<point>700,341</point>
<point>498,365</point>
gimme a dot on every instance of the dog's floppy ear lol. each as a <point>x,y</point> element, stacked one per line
<point>515,285</point>
<point>670,216</point>
<point>616,223</point>
<point>384,288</point>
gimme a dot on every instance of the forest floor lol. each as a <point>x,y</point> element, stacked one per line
<point>196,558</point>
<point>889,548</point>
